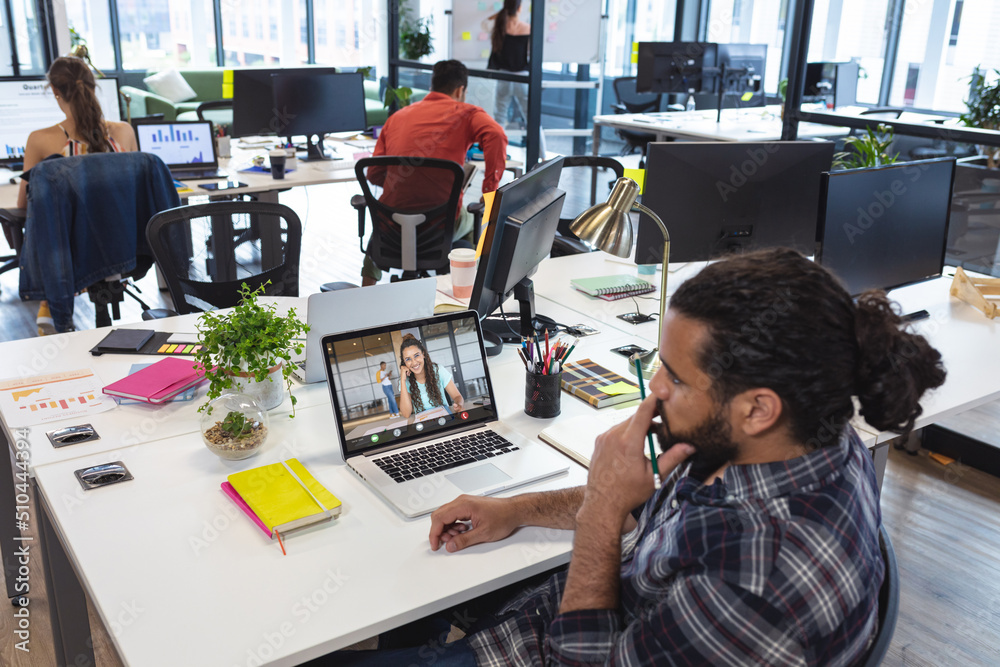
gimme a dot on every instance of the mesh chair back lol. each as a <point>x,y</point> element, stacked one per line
<point>412,186</point>
<point>207,251</point>
<point>633,101</point>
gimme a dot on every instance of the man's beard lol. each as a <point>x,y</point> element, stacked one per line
<point>712,439</point>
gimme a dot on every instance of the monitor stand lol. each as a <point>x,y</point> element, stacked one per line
<point>497,331</point>
<point>315,149</point>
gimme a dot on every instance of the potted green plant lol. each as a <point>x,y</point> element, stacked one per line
<point>870,149</point>
<point>983,111</point>
<point>397,98</point>
<point>248,349</point>
<point>415,39</point>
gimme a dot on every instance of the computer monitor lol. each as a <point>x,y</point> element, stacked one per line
<point>886,227</point>
<point>313,104</point>
<point>521,229</point>
<point>742,71</point>
<point>27,105</point>
<point>722,197</point>
<point>819,80</point>
<point>675,67</point>
<point>254,113</point>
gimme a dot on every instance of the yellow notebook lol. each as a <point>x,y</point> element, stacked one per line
<point>284,496</point>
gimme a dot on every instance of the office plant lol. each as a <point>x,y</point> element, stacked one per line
<point>248,349</point>
<point>870,149</point>
<point>982,110</point>
<point>415,39</point>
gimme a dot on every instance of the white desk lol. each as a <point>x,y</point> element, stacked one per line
<point>306,173</point>
<point>203,574</point>
<point>754,124</point>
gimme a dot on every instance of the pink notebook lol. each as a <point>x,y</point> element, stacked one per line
<point>234,495</point>
<point>158,382</point>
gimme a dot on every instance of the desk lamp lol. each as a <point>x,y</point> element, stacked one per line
<point>607,227</point>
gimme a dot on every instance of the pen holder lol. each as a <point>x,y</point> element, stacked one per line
<point>542,394</point>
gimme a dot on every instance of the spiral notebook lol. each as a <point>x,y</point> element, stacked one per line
<point>612,288</point>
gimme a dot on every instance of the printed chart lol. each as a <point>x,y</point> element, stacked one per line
<point>48,398</point>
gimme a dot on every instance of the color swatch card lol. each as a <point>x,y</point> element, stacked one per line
<point>47,398</point>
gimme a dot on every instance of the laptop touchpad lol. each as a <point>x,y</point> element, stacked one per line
<point>478,477</point>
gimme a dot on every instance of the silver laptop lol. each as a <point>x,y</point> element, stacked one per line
<point>444,442</point>
<point>333,312</point>
<point>187,147</point>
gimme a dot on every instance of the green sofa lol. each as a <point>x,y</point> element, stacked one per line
<point>207,84</point>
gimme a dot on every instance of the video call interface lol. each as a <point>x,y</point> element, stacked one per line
<point>445,355</point>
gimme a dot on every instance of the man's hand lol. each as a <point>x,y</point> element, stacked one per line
<point>469,520</point>
<point>621,477</point>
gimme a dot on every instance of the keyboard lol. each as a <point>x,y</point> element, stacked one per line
<point>427,460</point>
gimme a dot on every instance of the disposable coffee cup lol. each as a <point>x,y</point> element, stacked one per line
<point>278,157</point>
<point>463,271</point>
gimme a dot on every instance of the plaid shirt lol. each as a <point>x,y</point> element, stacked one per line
<point>774,564</point>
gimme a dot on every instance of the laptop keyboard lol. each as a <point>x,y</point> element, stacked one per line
<point>427,460</point>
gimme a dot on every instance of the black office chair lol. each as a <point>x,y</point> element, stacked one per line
<point>415,239</point>
<point>566,242</point>
<point>207,251</point>
<point>888,604</point>
<point>109,198</point>
<point>631,101</point>
<point>220,112</point>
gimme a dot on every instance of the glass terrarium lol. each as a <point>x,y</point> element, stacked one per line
<point>234,426</point>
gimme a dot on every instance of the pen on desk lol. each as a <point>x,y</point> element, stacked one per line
<point>649,436</point>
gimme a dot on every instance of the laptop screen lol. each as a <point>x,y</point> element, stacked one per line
<point>186,144</point>
<point>442,364</point>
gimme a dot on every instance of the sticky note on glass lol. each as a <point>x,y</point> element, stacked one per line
<point>747,96</point>
<point>637,175</point>
<point>466,36</point>
<point>619,388</point>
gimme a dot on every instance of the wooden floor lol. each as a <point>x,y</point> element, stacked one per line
<point>944,522</point>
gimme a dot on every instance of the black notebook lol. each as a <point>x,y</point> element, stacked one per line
<point>125,340</point>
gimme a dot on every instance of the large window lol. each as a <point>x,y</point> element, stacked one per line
<point>845,30</point>
<point>91,20</point>
<point>752,22</point>
<point>162,34</point>
<point>250,44</point>
<point>941,43</point>
<point>27,39</point>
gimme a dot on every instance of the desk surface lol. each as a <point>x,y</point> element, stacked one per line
<point>757,124</point>
<point>340,583</point>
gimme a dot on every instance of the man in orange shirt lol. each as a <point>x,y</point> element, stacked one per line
<point>442,126</point>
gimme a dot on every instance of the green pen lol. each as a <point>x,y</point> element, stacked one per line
<point>649,436</point>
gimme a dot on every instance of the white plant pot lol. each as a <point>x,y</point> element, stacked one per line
<point>270,393</point>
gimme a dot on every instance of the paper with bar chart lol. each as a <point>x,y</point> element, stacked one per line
<point>47,398</point>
